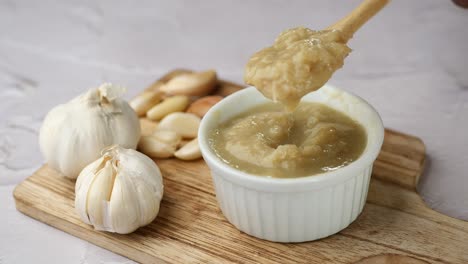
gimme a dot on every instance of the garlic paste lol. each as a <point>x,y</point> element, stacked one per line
<point>266,140</point>
<point>288,139</point>
<point>300,61</point>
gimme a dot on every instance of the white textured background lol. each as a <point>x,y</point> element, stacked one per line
<point>410,62</point>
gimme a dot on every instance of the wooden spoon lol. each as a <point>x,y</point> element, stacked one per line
<point>360,15</point>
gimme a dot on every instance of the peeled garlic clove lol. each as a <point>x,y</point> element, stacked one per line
<point>143,102</point>
<point>190,151</point>
<point>155,148</point>
<point>169,105</point>
<point>192,84</point>
<point>162,144</point>
<point>167,136</point>
<point>184,124</point>
<point>202,105</point>
<point>73,134</point>
<point>119,192</point>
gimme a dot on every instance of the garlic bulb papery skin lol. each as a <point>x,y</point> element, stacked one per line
<point>119,192</point>
<point>74,134</point>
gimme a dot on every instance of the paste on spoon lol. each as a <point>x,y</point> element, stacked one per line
<point>300,61</point>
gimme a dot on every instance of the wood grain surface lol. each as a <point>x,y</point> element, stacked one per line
<point>395,224</point>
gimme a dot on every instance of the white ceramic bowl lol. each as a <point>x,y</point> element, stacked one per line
<point>298,209</point>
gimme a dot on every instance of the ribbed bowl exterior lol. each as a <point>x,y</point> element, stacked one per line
<point>292,216</point>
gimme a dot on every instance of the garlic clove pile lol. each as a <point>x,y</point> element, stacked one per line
<point>73,134</point>
<point>119,192</point>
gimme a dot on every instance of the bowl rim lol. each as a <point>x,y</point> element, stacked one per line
<point>286,184</point>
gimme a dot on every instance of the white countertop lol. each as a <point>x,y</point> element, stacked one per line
<point>410,62</point>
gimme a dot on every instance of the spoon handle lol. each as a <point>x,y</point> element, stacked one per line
<point>360,15</point>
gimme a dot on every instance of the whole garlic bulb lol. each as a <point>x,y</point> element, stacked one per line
<point>119,192</point>
<point>74,134</point>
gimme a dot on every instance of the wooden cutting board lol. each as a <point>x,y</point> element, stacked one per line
<point>395,225</point>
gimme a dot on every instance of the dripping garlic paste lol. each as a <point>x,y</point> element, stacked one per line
<point>287,139</point>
